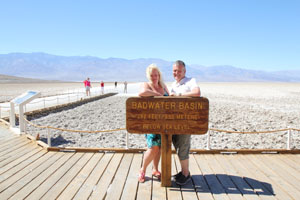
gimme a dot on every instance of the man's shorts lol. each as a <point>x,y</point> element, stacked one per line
<point>87,88</point>
<point>182,144</point>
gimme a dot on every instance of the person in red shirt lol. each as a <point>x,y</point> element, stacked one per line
<point>102,87</point>
<point>87,85</point>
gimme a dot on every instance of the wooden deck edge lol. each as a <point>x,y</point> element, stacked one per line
<point>245,151</point>
<point>38,142</point>
<point>4,122</point>
<point>79,102</point>
<point>192,151</point>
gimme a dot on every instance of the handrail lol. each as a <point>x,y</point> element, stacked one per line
<point>102,131</point>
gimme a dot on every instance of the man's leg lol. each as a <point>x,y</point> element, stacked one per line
<point>185,167</point>
<point>182,146</point>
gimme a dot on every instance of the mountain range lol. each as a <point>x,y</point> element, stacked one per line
<point>77,68</point>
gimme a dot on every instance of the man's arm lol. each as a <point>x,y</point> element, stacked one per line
<point>194,93</point>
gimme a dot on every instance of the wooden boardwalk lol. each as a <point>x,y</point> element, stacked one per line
<point>27,171</point>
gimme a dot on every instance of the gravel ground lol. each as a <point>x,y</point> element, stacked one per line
<point>233,106</point>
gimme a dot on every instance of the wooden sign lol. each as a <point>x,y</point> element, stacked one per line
<point>171,115</point>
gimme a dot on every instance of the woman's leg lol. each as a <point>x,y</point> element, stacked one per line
<point>156,158</point>
<point>149,156</point>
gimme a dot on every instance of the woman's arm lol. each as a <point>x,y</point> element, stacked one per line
<point>146,91</point>
<point>166,89</point>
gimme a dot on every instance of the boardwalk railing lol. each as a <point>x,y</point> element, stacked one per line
<point>208,147</point>
<point>71,96</point>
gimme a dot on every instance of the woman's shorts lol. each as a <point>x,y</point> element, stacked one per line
<point>153,140</point>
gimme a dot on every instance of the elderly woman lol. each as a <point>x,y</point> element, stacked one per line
<point>155,87</point>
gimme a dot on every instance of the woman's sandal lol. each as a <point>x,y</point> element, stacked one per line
<point>141,177</point>
<point>157,174</point>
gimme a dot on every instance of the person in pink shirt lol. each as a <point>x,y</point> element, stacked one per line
<point>87,85</point>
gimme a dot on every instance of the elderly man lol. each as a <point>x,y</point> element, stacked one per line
<point>183,86</point>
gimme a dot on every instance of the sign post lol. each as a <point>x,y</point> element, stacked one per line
<point>21,101</point>
<point>167,116</point>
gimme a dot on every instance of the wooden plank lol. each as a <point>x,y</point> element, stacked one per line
<point>285,168</point>
<point>256,185</point>
<point>201,188</point>
<point>10,137</point>
<point>6,143</point>
<point>37,181</point>
<point>158,192</point>
<point>230,188</point>
<point>14,147</point>
<point>12,152</point>
<point>187,190</point>
<point>20,163</point>
<point>145,189</point>
<point>56,176</point>
<point>295,158</point>
<point>273,187</point>
<point>131,185</point>
<point>20,182</point>
<point>13,161</point>
<point>245,151</point>
<point>100,189</point>
<point>291,161</point>
<point>64,181</point>
<point>116,188</point>
<point>88,186</point>
<point>28,169</point>
<point>281,171</point>
<point>241,184</point>
<point>174,191</point>
<point>275,177</point>
<point>80,171</point>
<point>96,150</point>
<point>166,152</point>
<point>212,181</point>
<point>294,166</point>
<point>18,154</point>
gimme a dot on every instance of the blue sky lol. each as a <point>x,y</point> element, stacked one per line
<point>250,34</point>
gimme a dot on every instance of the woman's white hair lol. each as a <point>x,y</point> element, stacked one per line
<point>149,70</point>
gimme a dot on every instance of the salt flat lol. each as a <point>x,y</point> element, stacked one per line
<point>233,106</point>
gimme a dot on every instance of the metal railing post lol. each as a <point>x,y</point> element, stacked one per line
<point>289,138</point>
<point>25,124</point>
<point>208,140</point>
<point>48,137</point>
<point>127,140</point>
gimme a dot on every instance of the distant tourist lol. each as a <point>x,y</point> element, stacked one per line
<point>102,87</point>
<point>183,86</point>
<point>116,84</point>
<point>87,85</point>
<point>155,87</point>
<point>125,87</point>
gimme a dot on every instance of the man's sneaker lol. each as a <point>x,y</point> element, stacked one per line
<point>176,176</point>
<point>182,180</point>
